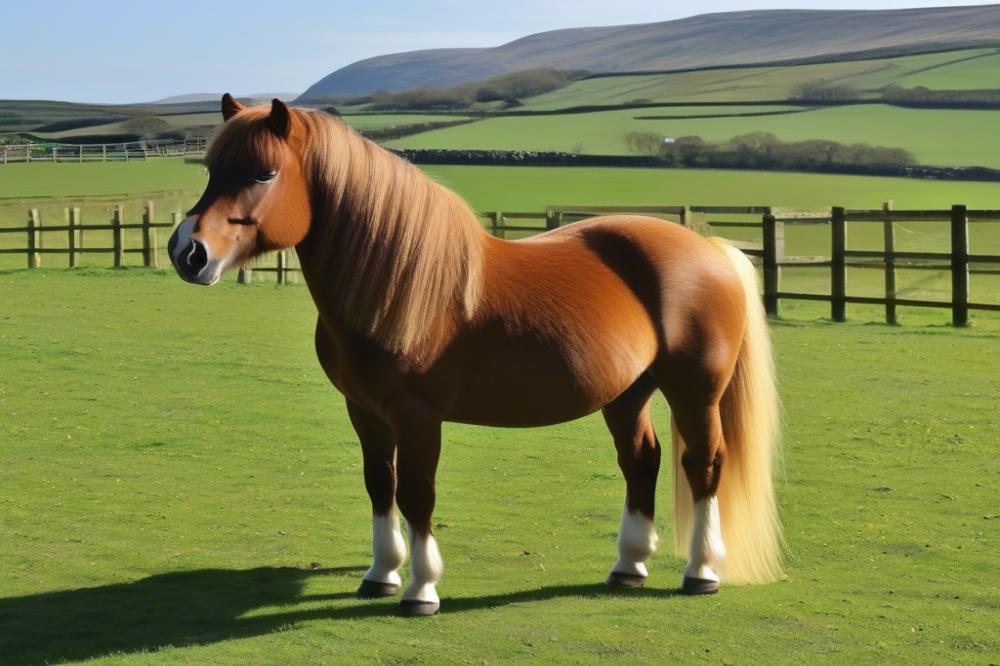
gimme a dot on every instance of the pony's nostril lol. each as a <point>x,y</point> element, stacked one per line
<point>197,256</point>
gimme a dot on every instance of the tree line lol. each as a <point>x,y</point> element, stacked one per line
<point>822,91</point>
<point>765,151</point>
<point>507,88</point>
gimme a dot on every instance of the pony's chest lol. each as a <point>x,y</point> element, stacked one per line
<point>342,360</point>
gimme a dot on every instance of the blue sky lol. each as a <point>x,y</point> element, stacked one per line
<point>112,51</point>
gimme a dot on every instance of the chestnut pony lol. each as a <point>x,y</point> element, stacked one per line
<point>425,318</point>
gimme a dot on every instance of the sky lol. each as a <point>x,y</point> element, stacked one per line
<point>142,50</point>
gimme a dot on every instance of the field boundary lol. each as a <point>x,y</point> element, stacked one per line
<point>128,151</point>
<point>768,253</point>
<point>771,257</point>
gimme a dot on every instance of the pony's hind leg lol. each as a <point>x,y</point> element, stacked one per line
<point>693,382</point>
<point>627,417</point>
<point>388,548</point>
<point>700,428</point>
<point>702,460</point>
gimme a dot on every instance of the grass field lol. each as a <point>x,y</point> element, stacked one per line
<point>980,73</point>
<point>174,463</point>
<point>202,123</point>
<point>973,68</point>
<point>940,137</point>
<point>523,188</point>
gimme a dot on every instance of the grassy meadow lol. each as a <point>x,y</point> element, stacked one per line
<point>934,136</point>
<point>950,70</point>
<point>181,485</point>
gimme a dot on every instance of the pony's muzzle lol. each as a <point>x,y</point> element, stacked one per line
<point>189,255</point>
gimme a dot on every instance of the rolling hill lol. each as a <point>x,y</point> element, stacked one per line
<point>701,41</point>
<point>216,96</point>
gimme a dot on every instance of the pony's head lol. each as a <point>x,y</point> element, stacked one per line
<point>257,197</point>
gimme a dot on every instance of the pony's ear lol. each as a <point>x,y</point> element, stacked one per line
<point>280,118</point>
<point>230,107</point>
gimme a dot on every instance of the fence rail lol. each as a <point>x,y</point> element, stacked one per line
<point>49,151</point>
<point>74,229</point>
<point>769,252</point>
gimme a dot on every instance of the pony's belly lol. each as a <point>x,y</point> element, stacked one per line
<point>518,387</point>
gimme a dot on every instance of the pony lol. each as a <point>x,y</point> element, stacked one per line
<point>424,317</point>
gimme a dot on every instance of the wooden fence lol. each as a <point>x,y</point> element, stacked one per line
<point>75,231</point>
<point>46,151</point>
<point>113,242</point>
<point>768,253</point>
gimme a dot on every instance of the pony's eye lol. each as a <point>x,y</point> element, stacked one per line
<point>266,176</point>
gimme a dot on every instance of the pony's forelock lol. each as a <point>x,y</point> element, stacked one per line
<point>244,145</point>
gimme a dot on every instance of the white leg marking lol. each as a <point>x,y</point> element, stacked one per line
<point>426,568</point>
<point>388,550</point>
<point>636,542</point>
<point>708,553</point>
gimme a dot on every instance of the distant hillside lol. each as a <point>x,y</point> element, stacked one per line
<point>699,41</point>
<point>215,97</point>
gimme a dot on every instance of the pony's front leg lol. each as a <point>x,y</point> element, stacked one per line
<point>388,548</point>
<point>418,442</point>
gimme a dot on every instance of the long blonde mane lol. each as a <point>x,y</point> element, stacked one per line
<point>404,254</point>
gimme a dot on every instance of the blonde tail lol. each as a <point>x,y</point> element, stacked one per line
<point>748,514</point>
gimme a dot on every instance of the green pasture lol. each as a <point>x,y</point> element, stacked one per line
<point>520,188</point>
<point>934,136</point>
<point>182,485</point>
<point>203,122</point>
<point>966,69</point>
<point>364,121</point>
<point>983,72</point>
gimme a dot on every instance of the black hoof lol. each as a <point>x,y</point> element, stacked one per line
<point>694,586</point>
<point>618,579</point>
<point>373,590</point>
<point>414,608</point>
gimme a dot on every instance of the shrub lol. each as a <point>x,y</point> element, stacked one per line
<point>821,91</point>
<point>506,87</point>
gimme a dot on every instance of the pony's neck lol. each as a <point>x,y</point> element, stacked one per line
<point>389,253</point>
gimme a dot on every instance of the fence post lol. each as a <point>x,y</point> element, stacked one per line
<point>494,222</point>
<point>116,232</point>
<point>40,238</point>
<point>104,152</point>
<point>148,236</point>
<point>552,219</point>
<point>501,227</point>
<point>889,257</point>
<point>685,217</point>
<point>959,266</point>
<point>838,268</point>
<point>771,270</point>
<point>34,260</point>
<point>70,236</point>
<point>281,267</point>
<point>244,275</point>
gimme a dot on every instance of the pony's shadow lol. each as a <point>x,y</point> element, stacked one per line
<point>205,606</point>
